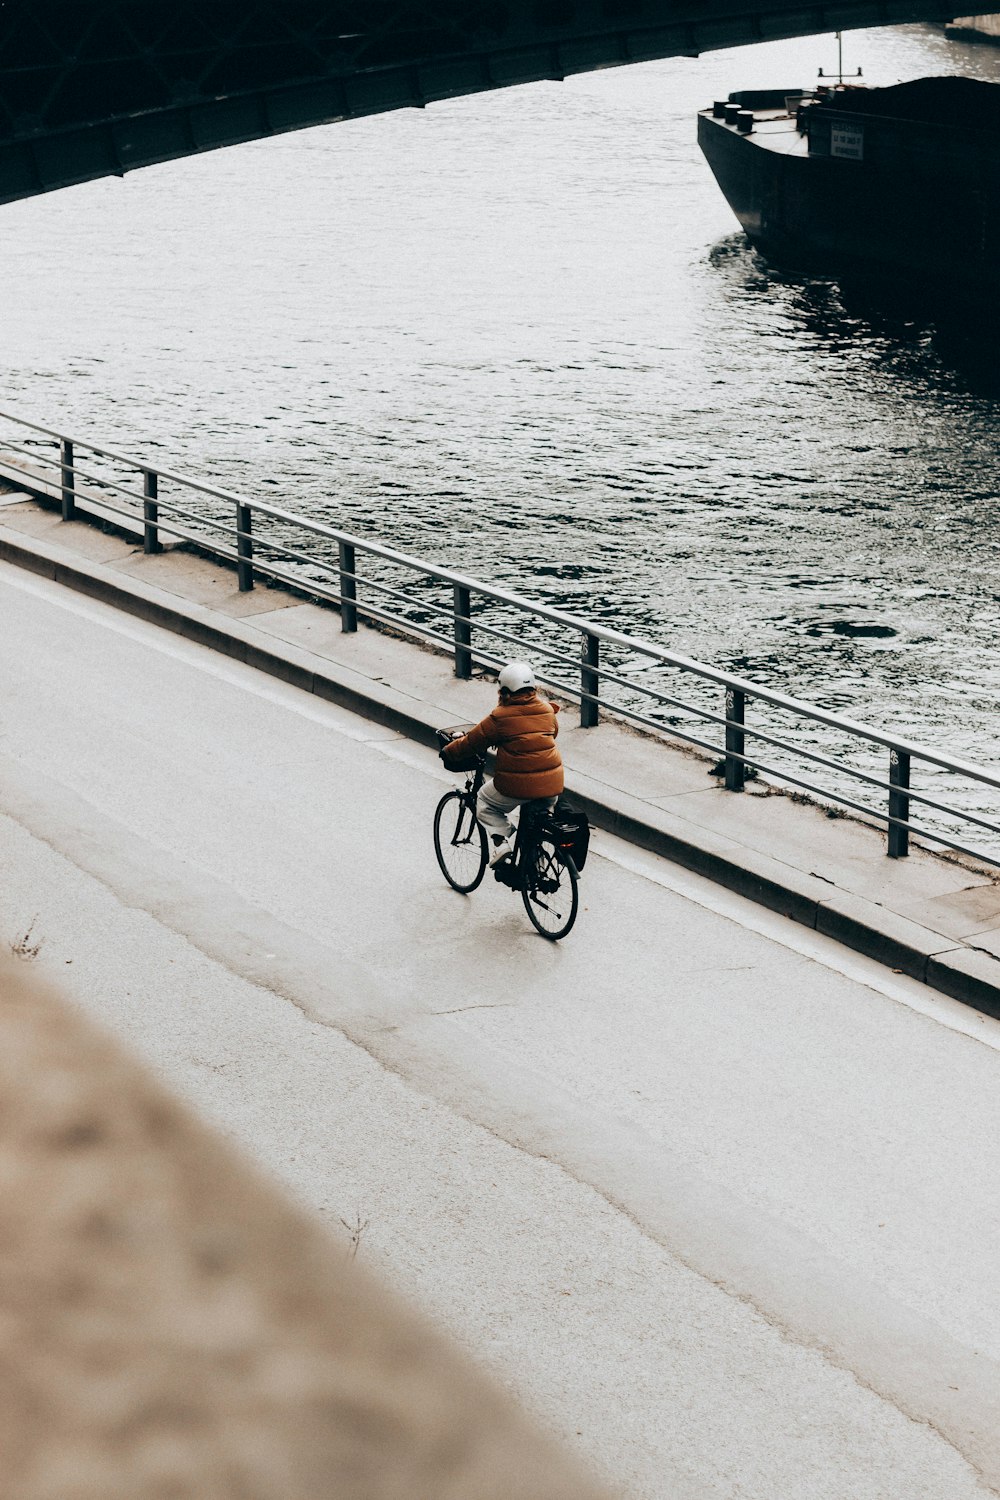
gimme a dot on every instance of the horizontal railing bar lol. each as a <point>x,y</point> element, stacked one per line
<point>682,703</point>
<point>859,775</point>
<point>167,510</point>
<point>951,812</point>
<point>77,472</point>
<point>305,585</point>
<point>939,838</point>
<point>103,482</point>
<point>820,791</point>
<point>814,755</point>
<point>547,653</point>
<point>874,813</point>
<point>322,589</point>
<point>103,450</point>
<point>656,653</point>
<point>369,611</point>
<point>42,459</point>
<point>869,812</point>
<point>88,502</point>
<point>782,774</point>
<point>635,717</point>
<point>260,539</point>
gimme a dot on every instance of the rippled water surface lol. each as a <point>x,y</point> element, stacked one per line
<point>520,334</point>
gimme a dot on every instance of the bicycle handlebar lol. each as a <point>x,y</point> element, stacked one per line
<point>471,762</point>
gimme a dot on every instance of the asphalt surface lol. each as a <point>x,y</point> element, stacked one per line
<point>715,1197</point>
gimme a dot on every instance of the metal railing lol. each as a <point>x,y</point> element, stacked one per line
<point>583,659</point>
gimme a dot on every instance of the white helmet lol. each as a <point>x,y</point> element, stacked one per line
<point>515,676</point>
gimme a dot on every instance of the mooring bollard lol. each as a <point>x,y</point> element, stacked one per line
<point>150,512</point>
<point>736,770</point>
<point>463,630</point>
<point>899,803</point>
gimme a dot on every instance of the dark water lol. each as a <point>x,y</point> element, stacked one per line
<point>519,334</point>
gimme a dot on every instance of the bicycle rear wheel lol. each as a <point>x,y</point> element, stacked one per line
<point>459,842</point>
<point>549,891</point>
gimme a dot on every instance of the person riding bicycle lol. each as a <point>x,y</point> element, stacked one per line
<point>523,728</point>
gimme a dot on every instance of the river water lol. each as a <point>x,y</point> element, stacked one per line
<point>520,334</point>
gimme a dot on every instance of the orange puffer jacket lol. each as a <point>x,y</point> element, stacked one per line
<point>524,731</point>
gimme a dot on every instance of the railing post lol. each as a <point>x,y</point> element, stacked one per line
<point>348,587</point>
<point>150,512</point>
<point>736,770</point>
<point>244,547</point>
<point>590,682</point>
<point>463,631</point>
<point>899,803</point>
<point>68,480</point>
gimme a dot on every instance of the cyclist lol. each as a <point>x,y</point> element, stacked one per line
<point>523,728</point>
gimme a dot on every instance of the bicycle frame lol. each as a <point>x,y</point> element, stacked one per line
<point>535,867</point>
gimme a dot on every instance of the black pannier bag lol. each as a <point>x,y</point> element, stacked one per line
<point>570,830</point>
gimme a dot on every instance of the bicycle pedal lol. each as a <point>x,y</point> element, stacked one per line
<point>504,872</point>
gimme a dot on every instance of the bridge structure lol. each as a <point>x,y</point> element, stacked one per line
<point>94,88</point>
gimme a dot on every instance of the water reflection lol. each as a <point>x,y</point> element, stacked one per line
<point>935,346</point>
<point>518,335</point>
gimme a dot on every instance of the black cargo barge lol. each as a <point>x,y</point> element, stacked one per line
<point>899,183</point>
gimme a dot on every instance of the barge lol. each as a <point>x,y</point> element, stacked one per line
<point>900,183</point>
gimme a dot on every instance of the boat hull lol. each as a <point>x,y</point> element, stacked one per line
<point>916,208</point>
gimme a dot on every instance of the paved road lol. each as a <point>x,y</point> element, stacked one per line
<point>717,1199</point>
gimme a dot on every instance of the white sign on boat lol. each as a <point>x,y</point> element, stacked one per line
<point>848,140</point>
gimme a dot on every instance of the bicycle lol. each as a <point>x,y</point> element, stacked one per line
<point>540,867</point>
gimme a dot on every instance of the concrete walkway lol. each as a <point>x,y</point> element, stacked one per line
<point>934,918</point>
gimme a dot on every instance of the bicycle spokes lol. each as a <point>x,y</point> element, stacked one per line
<point>459,842</point>
<point>550,892</point>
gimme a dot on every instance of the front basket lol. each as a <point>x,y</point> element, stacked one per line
<point>464,762</point>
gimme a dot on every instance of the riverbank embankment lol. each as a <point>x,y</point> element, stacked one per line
<point>932,917</point>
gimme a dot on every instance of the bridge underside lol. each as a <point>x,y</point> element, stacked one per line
<point>97,89</point>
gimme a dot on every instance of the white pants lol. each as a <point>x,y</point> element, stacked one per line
<point>492,808</point>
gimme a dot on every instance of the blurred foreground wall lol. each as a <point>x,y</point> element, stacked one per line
<point>170,1326</point>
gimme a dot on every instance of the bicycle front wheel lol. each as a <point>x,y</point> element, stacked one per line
<point>549,891</point>
<point>459,842</point>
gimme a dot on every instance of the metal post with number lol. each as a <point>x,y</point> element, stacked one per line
<point>244,547</point>
<point>899,803</point>
<point>736,770</point>
<point>348,587</point>
<point>68,477</point>
<point>463,630</point>
<point>590,682</point>
<point>150,512</point>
